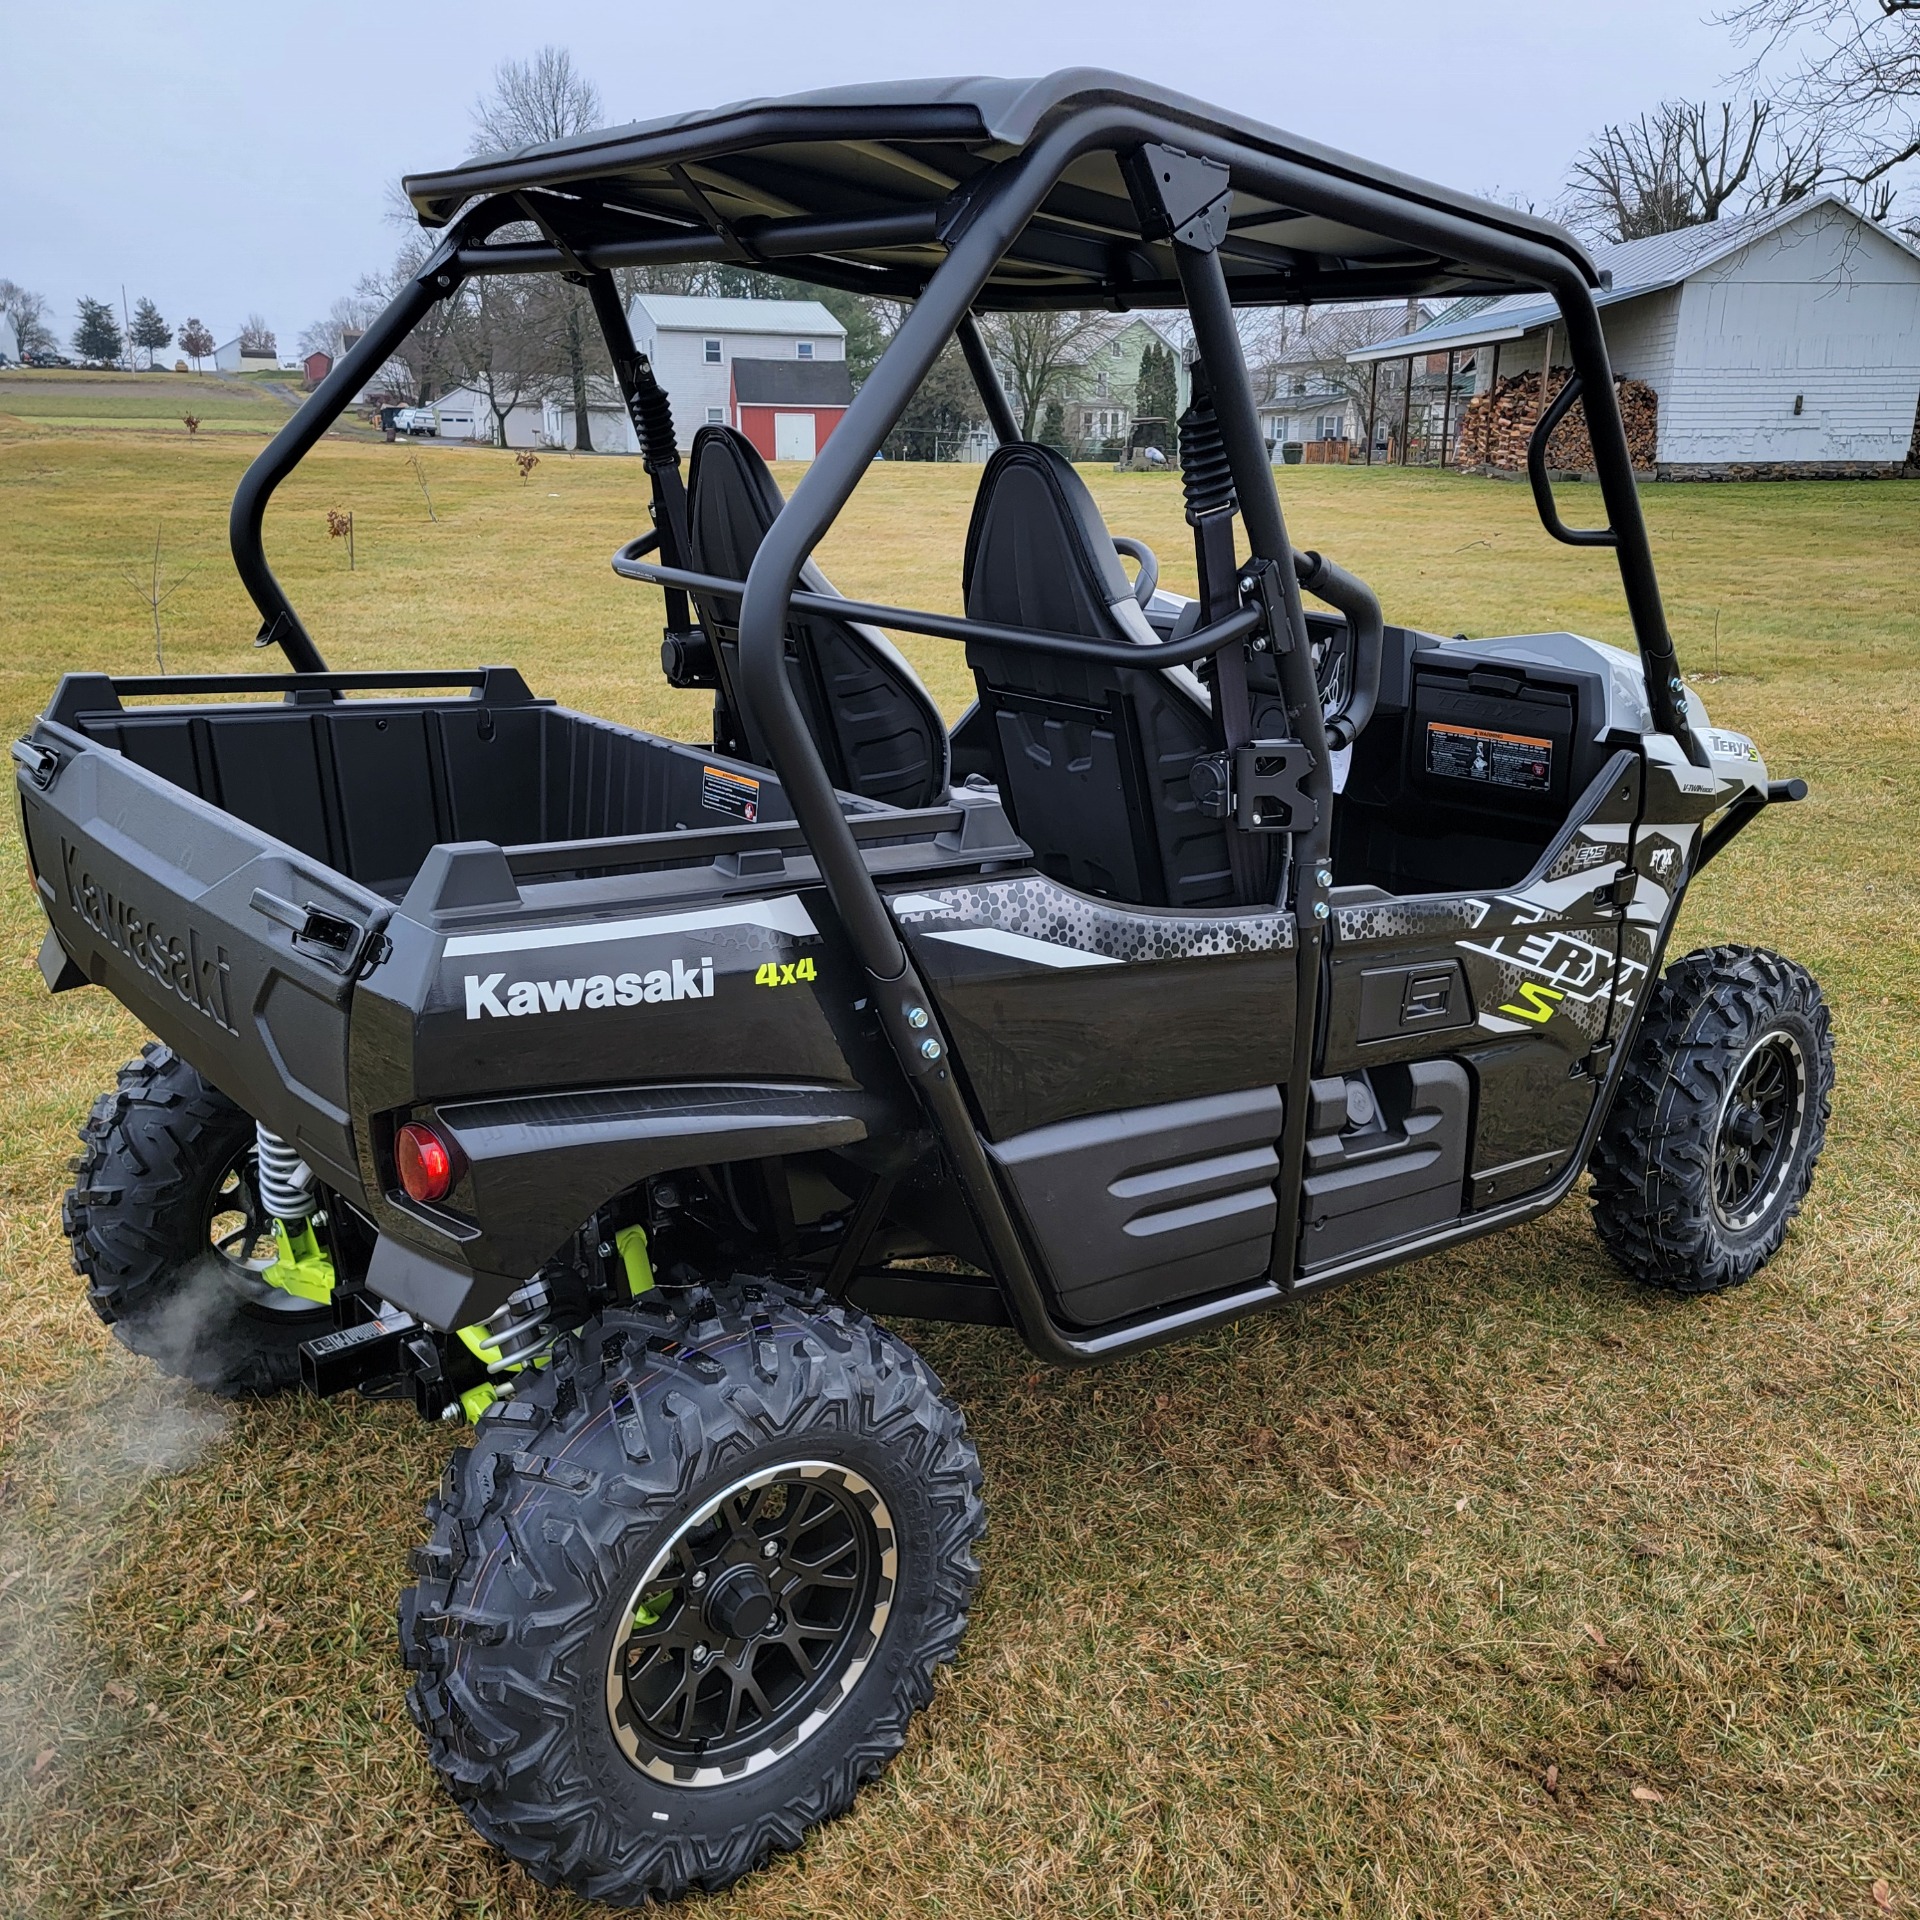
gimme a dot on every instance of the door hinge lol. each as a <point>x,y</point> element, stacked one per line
<point>1594,1062</point>
<point>1259,787</point>
<point>1619,891</point>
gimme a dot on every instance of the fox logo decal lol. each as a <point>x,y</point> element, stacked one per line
<point>489,998</point>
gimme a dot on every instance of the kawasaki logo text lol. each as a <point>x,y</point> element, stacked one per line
<point>492,996</point>
<point>172,955</point>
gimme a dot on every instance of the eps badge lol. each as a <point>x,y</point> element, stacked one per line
<point>783,973</point>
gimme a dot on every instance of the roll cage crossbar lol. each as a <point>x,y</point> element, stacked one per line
<point>1180,177</point>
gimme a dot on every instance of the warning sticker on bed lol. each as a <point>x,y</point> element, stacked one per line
<point>1501,759</point>
<point>736,795</point>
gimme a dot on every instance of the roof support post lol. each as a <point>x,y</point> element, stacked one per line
<point>986,380</point>
<point>1196,240</point>
<point>1406,411</point>
<point>329,400</point>
<point>1373,407</point>
<point>1446,412</point>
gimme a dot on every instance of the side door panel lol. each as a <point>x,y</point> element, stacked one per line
<point>1518,984</point>
<point>1127,1066</point>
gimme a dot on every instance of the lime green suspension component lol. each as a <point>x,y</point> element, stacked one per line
<point>476,1400</point>
<point>632,1245</point>
<point>301,1266</point>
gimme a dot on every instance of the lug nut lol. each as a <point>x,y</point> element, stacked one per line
<point>698,1581</point>
<point>701,1654</point>
<point>771,1550</point>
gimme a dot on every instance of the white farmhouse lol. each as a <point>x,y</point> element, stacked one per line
<point>1785,343</point>
<point>696,341</point>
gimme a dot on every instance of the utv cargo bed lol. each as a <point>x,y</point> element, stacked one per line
<point>234,872</point>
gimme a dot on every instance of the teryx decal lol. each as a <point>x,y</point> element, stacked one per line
<point>489,998</point>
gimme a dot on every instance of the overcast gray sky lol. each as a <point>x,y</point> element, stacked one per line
<point>235,157</point>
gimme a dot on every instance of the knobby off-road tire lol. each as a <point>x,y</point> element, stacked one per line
<point>167,1170</point>
<point>580,1589</point>
<point>1721,1113</point>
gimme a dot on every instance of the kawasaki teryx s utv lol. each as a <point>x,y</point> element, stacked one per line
<point>598,1090</point>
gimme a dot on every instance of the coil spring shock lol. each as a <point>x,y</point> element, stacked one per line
<point>653,417</point>
<point>285,1180</point>
<point>1205,477</point>
<point>521,1332</point>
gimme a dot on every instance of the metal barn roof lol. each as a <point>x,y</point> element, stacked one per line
<point>1629,270</point>
<point>715,313</point>
<point>783,183</point>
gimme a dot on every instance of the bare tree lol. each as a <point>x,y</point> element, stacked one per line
<point>28,312</point>
<point>532,102</point>
<point>1679,166</point>
<point>428,361</point>
<point>256,336</point>
<point>1854,86</point>
<point>351,314</point>
<point>502,340</point>
<point>155,590</point>
<point>1039,356</point>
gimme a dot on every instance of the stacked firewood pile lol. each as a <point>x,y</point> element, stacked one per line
<point>1496,426</point>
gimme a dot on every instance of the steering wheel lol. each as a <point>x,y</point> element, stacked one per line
<point>1148,578</point>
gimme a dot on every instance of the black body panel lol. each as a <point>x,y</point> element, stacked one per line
<point>1137,1210</point>
<point>1061,1005</point>
<point>1385,1159</point>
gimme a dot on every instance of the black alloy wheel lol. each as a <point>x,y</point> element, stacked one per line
<point>1761,1121</point>
<point>752,1623</point>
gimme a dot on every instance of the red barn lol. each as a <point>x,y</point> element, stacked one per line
<point>318,366</point>
<point>787,408</point>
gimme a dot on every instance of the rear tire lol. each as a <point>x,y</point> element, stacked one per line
<point>168,1169</point>
<point>1718,1122</point>
<point>676,1502</point>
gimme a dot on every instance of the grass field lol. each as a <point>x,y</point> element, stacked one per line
<point>1491,1585</point>
<point>70,400</point>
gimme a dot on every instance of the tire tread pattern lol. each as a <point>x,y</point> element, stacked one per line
<point>133,1220</point>
<point>1652,1164</point>
<point>571,1479</point>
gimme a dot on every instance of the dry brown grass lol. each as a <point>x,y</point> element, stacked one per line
<point>1300,1618</point>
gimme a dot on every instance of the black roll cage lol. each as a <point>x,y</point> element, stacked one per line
<point>1180,176</point>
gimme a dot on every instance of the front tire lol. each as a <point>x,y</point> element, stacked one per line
<point>1718,1122</point>
<point>166,1227</point>
<point>688,1587</point>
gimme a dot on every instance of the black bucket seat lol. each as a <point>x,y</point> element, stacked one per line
<point>1093,762</point>
<point>875,724</point>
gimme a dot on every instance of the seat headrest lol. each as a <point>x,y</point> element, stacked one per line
<point>1040,556</point>
<point>731,502</point>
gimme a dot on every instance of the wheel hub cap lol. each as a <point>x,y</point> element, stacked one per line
<point>741,1605</point>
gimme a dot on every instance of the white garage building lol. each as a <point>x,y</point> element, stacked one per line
<point>1782,344</point>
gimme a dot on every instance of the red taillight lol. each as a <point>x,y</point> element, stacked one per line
<point>424,1161</point>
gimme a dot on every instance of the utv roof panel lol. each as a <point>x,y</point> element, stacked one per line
<point>863,187</point>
